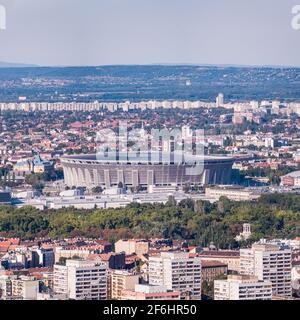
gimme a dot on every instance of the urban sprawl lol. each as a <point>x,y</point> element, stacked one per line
<point>76,227</point>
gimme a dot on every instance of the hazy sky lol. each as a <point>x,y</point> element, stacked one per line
<point>99,32</point>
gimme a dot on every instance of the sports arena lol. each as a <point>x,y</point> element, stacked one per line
<point>89,171</point>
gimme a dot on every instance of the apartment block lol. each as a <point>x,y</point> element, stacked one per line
<point>18,288</point>
<point>120,280</point>
<point>81,280</point>
<point>269,262</point>
<point>25,288</point>
<point>242,287</point>
<point>177,271</point>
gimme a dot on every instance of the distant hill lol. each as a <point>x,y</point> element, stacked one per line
<point>147,82</point>
<point>15,65</point>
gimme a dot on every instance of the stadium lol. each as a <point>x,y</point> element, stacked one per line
<point>89,171</point>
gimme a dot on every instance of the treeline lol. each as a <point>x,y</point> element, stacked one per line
<point>272,216</point>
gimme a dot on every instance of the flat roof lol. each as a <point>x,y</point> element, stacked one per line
<point>144,157</point>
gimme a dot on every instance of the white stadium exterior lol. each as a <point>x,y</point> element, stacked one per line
<point>89,171</point>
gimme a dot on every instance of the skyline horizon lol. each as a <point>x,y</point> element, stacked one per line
<point>162,64</point>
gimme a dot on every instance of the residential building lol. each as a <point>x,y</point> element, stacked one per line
<point>177,271</point>
<point>220,100</point>
<point>18,288</point>
<point>269,262</point>
<point>242,287</point>
<point>149,292</point>
<point>212,269</point>
<point>120,280</point>
<point>26,288</point>
<point>81,280</point>
<point>139,247</point>
<point>229,257</point>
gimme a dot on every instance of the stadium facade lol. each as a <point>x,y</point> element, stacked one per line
<point>89,171</point>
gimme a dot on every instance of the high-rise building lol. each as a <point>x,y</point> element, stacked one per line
<point>177,271</point>
<point>240,287</point>
<point>81,280</point>
<point>269,262</point>
<point>220,100</point>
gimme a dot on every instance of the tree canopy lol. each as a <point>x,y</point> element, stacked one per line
<point>272,216</point>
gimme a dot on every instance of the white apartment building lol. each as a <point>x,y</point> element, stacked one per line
<point>269,262</point>
<point>81,280</point>
<point>240,287</point>
<point>177,271</point>
<point>60,279</point>
<point>25,288</point>
<point>21,288</point>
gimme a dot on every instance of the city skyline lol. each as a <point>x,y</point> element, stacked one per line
<point>149,151</point>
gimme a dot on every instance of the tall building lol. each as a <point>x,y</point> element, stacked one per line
<point>81,280</point>
<point>25,288</point>
<point>18,288</point>
<point>269,262</point>
<point>240,287</point>
<point>177,271</point>
<point>46,257</point>
<point>220,100</point>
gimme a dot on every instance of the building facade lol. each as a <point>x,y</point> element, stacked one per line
<point>269,262</point>
<point>242,288</point>
<point>120,280</point>
<point>81,280</point>
<point>177,271</point>
<point>18,288</point>
<point>232,193</point>
<point>139,247</point>
<point>87,171</point>
<point>212,269</point>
